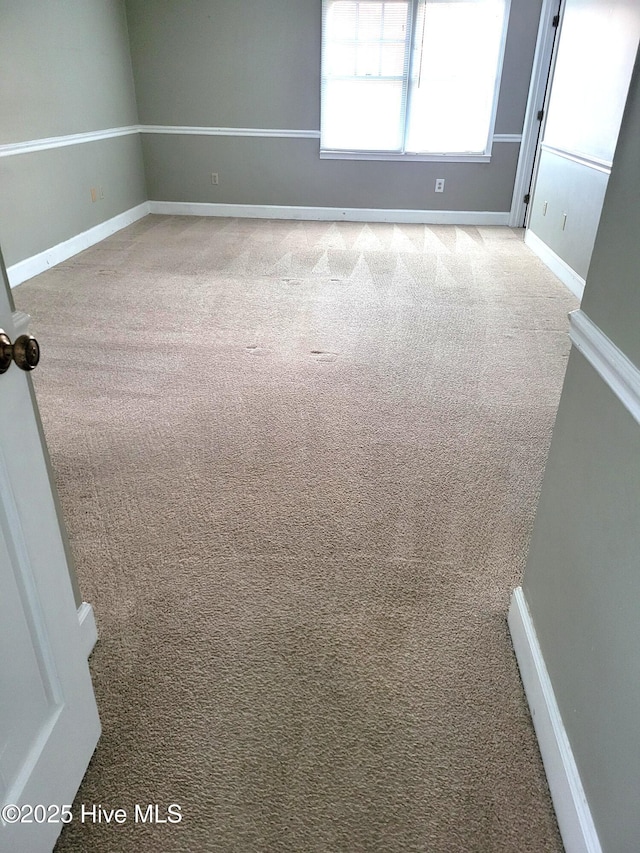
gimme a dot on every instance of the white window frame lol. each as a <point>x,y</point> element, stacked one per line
<point>483,157</point>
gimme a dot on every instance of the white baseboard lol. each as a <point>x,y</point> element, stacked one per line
<point>30,267</point>
<point>36,264</point>
<point>572,810</point>
<point>328,214</point>
<point>568,276</point>
<point>88,627</point>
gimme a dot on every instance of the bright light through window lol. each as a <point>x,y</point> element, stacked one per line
<point>410,76</point>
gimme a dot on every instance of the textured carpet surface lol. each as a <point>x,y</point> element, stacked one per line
<point>299,465</point>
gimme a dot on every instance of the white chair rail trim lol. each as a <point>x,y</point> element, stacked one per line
<point>619,372</point>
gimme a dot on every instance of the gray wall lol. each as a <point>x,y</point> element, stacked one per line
<point>217,63</point>
<point>597,47</point>
<point>582,579</point>
<point>289,172</point>
<point>65,68</point>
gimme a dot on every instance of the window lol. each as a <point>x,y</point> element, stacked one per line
<point>410,77</point>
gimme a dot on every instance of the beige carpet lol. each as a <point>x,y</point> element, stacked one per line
<point>299,464</point>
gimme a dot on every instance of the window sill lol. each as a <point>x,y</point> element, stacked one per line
<point>404,158</point>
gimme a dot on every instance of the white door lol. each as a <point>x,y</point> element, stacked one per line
<point>49,722</point>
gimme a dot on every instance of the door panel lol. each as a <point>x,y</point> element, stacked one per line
<point>49,723</point>
<point>26,703</point>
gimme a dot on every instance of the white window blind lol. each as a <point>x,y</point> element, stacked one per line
<point>411,76</point>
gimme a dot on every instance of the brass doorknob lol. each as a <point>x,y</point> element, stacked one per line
<point>25,352</point>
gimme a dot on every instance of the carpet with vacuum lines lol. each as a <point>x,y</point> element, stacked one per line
<point>299,465</point>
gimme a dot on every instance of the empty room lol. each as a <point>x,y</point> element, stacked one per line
<point>319,406</point>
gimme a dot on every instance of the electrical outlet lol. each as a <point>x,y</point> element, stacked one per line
<point>101,192</point>
<point>544,208</point>
<point>439,185</point>
<point>94,194</point>
<point>214,178</point>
